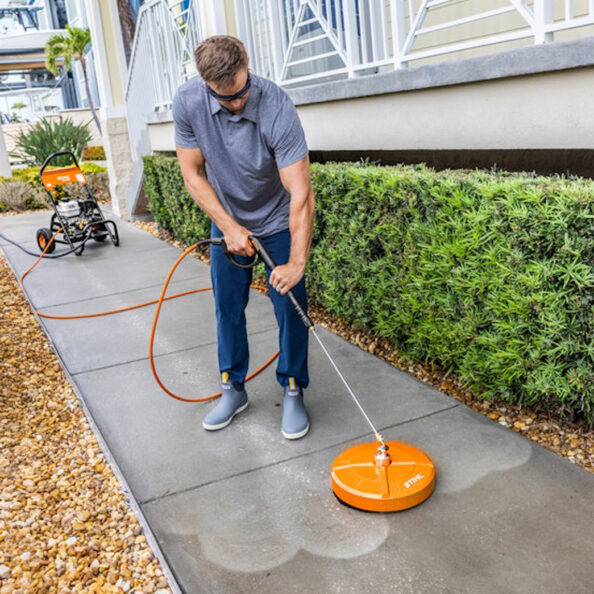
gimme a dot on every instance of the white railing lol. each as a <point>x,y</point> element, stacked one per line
<point>296,41</point>
<point>161,60</point>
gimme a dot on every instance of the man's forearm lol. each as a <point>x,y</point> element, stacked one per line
<point>301,217</point>
<point>236,236</point>
<point>206,198</point>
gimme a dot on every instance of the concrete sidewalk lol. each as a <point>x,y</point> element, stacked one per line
<point>243,509</point>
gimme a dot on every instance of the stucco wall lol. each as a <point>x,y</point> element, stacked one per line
<point>542,111</point>
<point>552,110</point>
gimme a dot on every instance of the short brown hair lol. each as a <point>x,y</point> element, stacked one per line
<point>220,58</point>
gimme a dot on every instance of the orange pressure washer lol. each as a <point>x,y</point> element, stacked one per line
<point>76,219</point>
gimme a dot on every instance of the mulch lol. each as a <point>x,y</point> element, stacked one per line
<point>65,523</point>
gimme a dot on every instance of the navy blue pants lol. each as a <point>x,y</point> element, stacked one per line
<point>231,293</point>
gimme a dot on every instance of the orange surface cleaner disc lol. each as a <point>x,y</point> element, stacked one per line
<point>403,480</point>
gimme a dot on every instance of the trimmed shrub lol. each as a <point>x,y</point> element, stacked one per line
<point>19,195</point>
<point>31,174</point>
<point>489,275</point>
<point>24,191</point>
<point>170,203</point>
<point>93,153</point>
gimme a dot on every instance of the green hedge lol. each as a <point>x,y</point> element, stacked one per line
<point>489,275</point>
<point>170,203</point>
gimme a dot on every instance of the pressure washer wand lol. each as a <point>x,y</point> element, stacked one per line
<point>268,260</point>
<point>375,431</point>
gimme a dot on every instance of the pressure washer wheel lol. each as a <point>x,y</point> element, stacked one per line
<point>99,233</point>
<point>383,480</point>
<point>43,237</point>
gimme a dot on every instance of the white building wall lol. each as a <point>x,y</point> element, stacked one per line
<point>544,111</point>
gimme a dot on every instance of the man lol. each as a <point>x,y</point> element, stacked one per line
<point>243,132</point>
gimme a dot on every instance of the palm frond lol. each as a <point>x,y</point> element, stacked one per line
<point>72,46</point>
<point>56,47</point>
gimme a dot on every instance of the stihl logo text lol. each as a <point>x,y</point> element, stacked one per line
<point>415,479</point>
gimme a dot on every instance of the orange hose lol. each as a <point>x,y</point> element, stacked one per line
<point>159,302</point>
<point>152,340</point>
<point>114,311</point>
<point>40,256</point>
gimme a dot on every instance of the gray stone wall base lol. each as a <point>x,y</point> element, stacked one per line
<point>119,162</point>
<point>5,169</point>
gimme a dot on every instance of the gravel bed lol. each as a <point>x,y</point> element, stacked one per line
<point>572,439</point>
<point>65,524</point>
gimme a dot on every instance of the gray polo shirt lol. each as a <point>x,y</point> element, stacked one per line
<point>244,152</point>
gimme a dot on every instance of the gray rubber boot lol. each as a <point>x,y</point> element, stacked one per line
<point>295,423</point>
<point>231,403</point>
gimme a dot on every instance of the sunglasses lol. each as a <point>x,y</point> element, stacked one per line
<point>237,95</point>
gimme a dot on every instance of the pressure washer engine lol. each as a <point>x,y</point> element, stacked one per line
<point>76,219</point>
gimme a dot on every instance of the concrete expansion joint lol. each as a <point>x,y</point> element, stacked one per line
<point>292,458</point>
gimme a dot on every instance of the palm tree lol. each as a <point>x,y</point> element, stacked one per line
<point>71,47</point>
<point>127,16</point>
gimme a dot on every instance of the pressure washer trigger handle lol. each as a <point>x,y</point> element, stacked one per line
<point>262,252</point>
<point>269,261</point>
<point>221,242</point>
